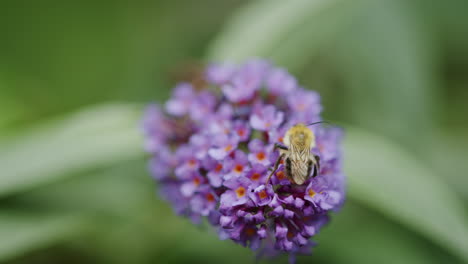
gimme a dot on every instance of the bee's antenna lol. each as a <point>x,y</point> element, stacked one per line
<point>319,122</point>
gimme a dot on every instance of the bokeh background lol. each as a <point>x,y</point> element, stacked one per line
<point>75,75</point>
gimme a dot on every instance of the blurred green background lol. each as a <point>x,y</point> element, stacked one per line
<point>74,76</point>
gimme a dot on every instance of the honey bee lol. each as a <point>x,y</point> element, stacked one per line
<point>296,154</point>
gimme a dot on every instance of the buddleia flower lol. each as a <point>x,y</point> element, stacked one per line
<point>212,149</point>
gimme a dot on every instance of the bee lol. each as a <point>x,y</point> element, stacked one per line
<point>296,154</point>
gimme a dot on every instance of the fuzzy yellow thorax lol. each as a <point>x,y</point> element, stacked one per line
<point>300,135</point>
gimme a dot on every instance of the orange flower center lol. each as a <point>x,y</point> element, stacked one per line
<point>255,176</point>
<point>312,193</point>
<point>228,148</point>
<point>240,192</point>
<point>210,197</point>
<point>218,168</point>
<point>241,132</point>
<point>238,168</point>
<point>250,231</point>
<point>261,156</point>
<point>290,235</point>
<point>192,163</point>
<point>262,194</point>
<point>280,139</point>
<point>197,181</point>
<point>320,147</point>
<point>280,175</point>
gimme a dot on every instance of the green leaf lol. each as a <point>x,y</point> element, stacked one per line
<point>260,27</point>
<point>121,201</point>
<point>10,109</point>
<point>383,176</point>
<point>118,191</point>
<point>21,232</point>
<point>364,236</point>
<point>320,29</point>
<point>447,155</point>
<point>387,61</point>
<point>90,138</point>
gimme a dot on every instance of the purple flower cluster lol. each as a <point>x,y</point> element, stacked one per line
<point>212,151</point>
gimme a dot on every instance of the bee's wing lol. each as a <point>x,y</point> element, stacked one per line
<point>300,166</point>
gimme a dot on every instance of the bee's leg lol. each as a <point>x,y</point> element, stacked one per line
<point>316,165</point>
<point>311,164</point>
<point>317,158</point>
<point>274,168</point>
<point>287,167</point>
<point>279,146</point>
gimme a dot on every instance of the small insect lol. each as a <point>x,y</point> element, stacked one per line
<point>296,154</point>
